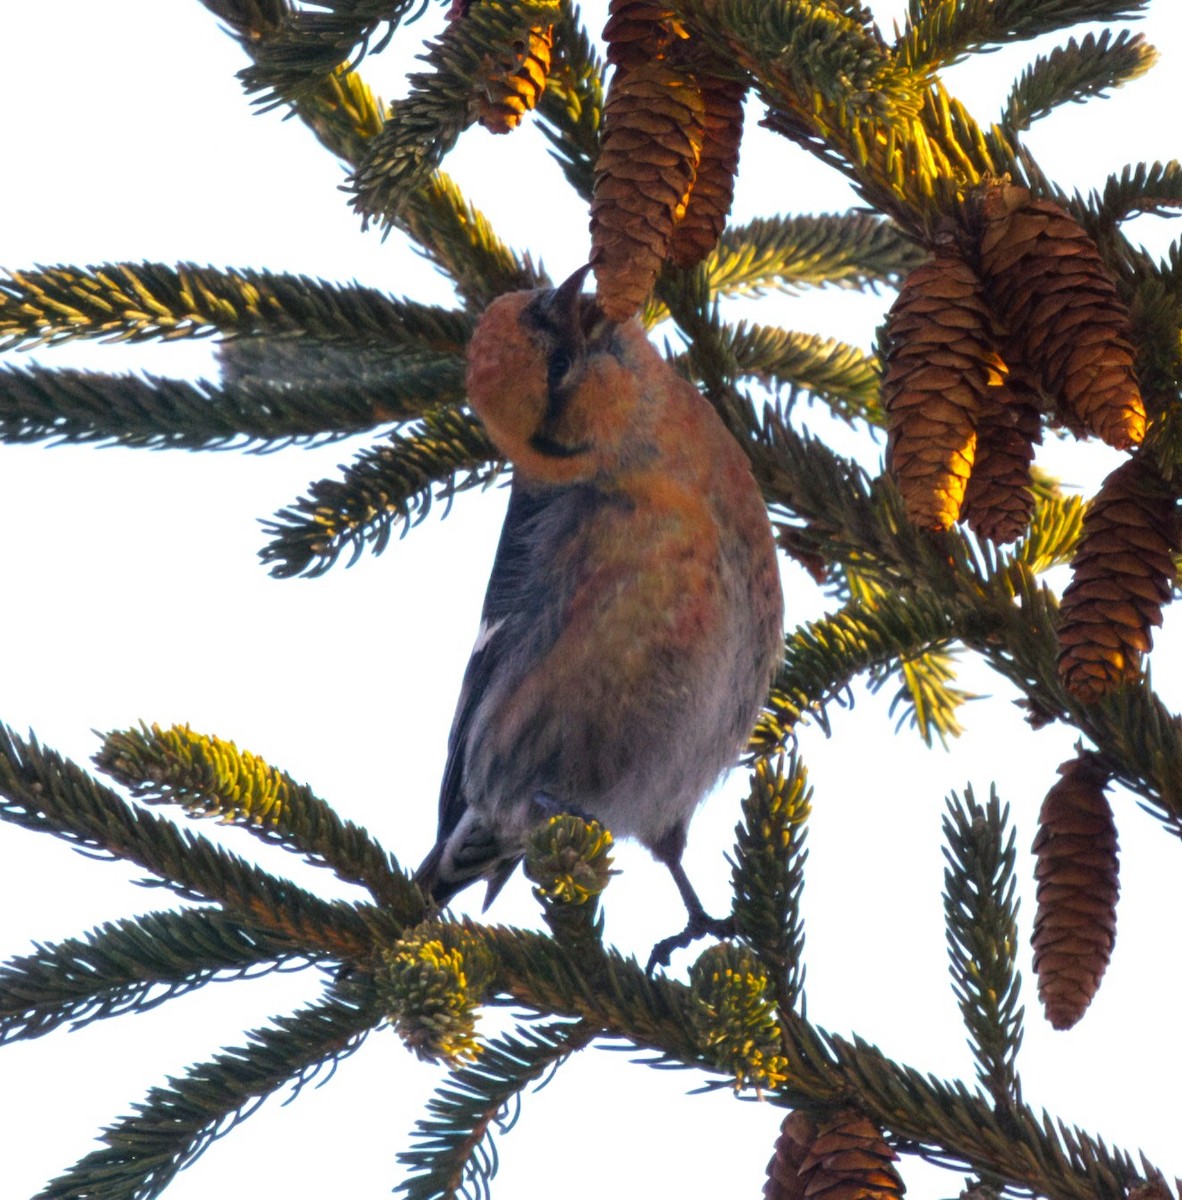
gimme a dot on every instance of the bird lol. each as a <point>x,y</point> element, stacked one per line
<point>634,612</point>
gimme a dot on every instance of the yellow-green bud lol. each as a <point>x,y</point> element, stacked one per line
<point>434,991</point>
<point>734,1016</point>
<point>569,860</point>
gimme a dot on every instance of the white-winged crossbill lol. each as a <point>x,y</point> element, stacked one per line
<point>634,613</point>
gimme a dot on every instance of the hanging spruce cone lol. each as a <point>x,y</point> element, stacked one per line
<point>709,201</point>
<point>516,87</point>
<point>637,32</point>
<point>1075,924</point>
<point>998,500</point>
<point>848,1160</point>
<point>1121,576</point>
<point>783,1170</point>
<point>1061,309</point>
<point>652,140</point>
<point>940,365</point>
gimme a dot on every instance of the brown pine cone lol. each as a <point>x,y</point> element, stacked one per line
<point>1076,871</point>
<point>637,31</point>
<point>1122,574</point>
<point>709,201</point>
<point>998,500</point>
<point>783,1170</point>
<point>652,140</point>
<point>940,366</point>
<point>1060,307</point>
<point>516,88</point>
<point>848,1160</point>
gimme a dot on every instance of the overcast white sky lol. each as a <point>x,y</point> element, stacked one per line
<point>133,591</point>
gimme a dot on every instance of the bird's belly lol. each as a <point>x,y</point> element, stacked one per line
<point>638,755</point>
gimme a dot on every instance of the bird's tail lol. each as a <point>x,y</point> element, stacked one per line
<point>469,853</point>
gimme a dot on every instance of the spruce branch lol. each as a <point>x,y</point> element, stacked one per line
<point>939,33</point>
<point>939,1121</point>
<point>249,413</point>
<point>175,1123</point>
<point>981,914</point>
<point>305,45</point>
<point>925,1116</point>
<point>40,790</point>
<point>842,376</point>
<point>823,657</point>
<point>856,11</point>
<point>345,116</point>
<point>1075,72</point>
<point>849,250</point>
<point>926,699</point>
<point>133,965</point>
<point>343,113</point>
<point>454,1155</point>
<point>832,87</point>
<point>210,777</point>
<point>916,172</point>
<point>767,871</point>
<point>1054,529</point>
<point>571,107</point>
<point>137,302</point>
<point>250,19</point>
<point>459,239</point>
<point>798,49</point>
<point>392,484</point>
<point>966,152</point>
<point>408,382</point>
<point>534,970</point>
<point>422,128</point>
<point>1139,189</point>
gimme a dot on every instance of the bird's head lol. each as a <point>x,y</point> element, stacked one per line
<point>546,376</point>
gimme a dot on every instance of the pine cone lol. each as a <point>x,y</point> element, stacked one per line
<point>652,140</point>
<point>783,1170</point>
<point>1060,306</point>
<point>516,87</point>
<point>1121,576</point>
<point>848,1160</point>
<point>940,366</point>
<point>998,500</point>
<point>637,32</point>
<point>709,201</point>
<point>1075,924</point>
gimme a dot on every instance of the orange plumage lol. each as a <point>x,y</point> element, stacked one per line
<point>634,613</point>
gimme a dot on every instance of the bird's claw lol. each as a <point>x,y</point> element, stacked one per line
<point>698,926</point>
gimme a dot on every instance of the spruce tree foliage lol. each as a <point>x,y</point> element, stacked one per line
<point>304,360</point>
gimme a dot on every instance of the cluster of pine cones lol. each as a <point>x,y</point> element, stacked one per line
<point>665,176</point>
<point>672,122</point>
<point>978,345</point>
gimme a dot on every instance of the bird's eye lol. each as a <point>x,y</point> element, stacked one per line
<point>560,363</point>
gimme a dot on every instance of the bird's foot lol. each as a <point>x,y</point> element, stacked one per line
<point>699,925</point>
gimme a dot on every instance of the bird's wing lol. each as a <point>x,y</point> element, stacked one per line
<point>520,621</point>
